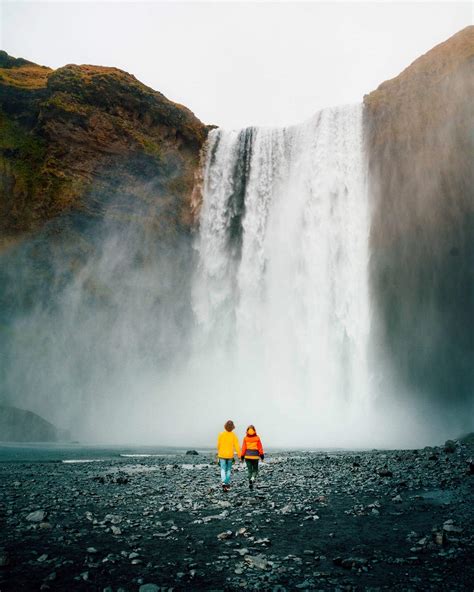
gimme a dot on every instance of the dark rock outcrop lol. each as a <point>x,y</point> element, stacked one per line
<point>19,425</point>
<point>420,147</point>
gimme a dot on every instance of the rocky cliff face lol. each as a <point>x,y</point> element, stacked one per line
<point>77,137</point>
<point>420,145</point>
<point>96,176</point>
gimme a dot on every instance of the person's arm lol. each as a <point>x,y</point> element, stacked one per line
<point>260,449</point>
<point>236,445</point>
<point>244,448</point>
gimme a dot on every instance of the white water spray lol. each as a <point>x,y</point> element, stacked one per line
<point>281,293</point>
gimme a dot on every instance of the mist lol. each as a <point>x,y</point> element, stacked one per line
<point>267,313</point>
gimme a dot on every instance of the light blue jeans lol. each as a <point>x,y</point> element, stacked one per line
<point>226,468</point>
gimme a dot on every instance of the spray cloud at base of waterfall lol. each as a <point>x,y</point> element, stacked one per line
<point>264,317</point>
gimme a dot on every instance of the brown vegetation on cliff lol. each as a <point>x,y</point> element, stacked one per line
<point>81,129</point>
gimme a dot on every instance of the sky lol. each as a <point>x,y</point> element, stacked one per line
<point>236,64</point>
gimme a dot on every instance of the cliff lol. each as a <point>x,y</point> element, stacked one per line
<point>420,146</point>
<point>73,138</point>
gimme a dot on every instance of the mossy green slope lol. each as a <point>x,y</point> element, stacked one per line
<point>80,129</point>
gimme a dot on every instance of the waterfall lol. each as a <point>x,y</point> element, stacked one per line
<point>280,295</point>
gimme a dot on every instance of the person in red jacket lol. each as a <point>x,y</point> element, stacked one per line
<point>252,452</point>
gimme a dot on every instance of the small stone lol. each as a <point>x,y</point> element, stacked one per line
<point>192,452</point>
<point>304,585</point>
<point>116,530</point>
<point>91,550</point>
<point>149,588</point>
<point>243,551</point>
<point>450,446</point>
<point>353,562</point>
<point>42,558</point>
<point>4,558</point>
<point>258,561</point>
<point>397,499</point>
<point>447,527</point>
<point>37,516</point>
<point>224,535</point>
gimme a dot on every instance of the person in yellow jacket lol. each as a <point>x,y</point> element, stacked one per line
<point>227,443</point>
<point>252,452</point>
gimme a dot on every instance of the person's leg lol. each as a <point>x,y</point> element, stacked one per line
<point>223,465</point>
<point>255,469</point>
<point>248,462</point>
<point>250,470</point>
<point>228,470</point>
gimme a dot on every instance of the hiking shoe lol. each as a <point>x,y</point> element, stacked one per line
<point>250,484</point>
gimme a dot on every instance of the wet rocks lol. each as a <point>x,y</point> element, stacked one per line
<point>171,518</point>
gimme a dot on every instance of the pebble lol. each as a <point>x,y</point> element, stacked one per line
<point>4,558</point>
<point>36,516</point>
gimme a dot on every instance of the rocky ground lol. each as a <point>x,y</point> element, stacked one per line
<point>379,520</point>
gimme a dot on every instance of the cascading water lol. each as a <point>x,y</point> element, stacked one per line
<point>281,292</point>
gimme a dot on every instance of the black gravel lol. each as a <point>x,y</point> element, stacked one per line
<point>378,520</point>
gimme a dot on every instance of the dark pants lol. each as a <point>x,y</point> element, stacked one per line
<point>252,468</point>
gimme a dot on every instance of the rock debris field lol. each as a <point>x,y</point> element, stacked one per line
<point>378,520</point>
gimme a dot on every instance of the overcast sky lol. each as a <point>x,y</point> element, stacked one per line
<point>237,64</point>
